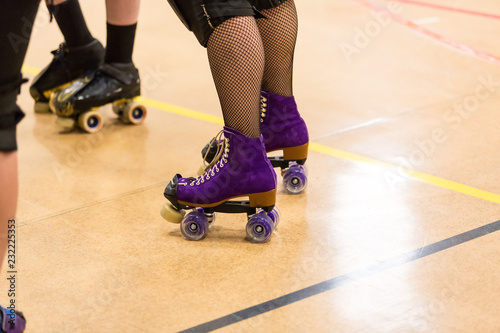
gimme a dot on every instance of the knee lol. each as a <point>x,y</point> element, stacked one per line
<point>10,116</point>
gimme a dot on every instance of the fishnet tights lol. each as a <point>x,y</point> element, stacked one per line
<point>236,57</point>
<point>279,34</point>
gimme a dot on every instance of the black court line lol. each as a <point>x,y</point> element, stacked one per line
<point>345,279</point>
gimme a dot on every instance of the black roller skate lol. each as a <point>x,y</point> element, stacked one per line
<point>67,65</point>
<point>112,83</point>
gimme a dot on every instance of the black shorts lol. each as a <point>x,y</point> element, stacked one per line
<point>203,16</point>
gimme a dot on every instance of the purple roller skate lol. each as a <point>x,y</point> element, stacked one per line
<point>239,169</point>
<point>282,129</point>
<point>12,321</point>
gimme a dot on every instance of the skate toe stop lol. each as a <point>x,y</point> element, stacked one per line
<point>170,214</point>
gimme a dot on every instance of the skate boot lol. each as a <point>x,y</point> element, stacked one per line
<point>67,65</point>
<point>283,129</point>
<point>12,321</point>
<point>239,169</point>
<point>111,83</point>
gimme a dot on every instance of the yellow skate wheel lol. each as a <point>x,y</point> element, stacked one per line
<point>170,214</point>
<point>41,107</point>
<point>201,170</point>
<point>90,121</point>
<point>134,113</point>
<point>67,123</point>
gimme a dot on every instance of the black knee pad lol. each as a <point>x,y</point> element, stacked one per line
<point>10,115</point>
<point>203,16</point>
<point>266,4</point>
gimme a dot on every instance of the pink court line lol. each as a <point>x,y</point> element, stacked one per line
<point>451,9</point>
<point>460,47</point>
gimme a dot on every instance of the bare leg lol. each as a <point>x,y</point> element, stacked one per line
<point>122,12</point>
<point>8,195</point>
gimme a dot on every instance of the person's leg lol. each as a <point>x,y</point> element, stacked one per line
<point>8,195</point>
<point>15,32</point>
<point>121,16</point>
<point>236,57</point>
<point>279,35</point>
<point>281,124</point>
<point>69,18</point>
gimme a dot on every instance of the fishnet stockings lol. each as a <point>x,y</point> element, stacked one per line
<point>279,34</point>
<point>236,57</point>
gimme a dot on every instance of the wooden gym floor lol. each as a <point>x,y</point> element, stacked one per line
<point>396,232</point>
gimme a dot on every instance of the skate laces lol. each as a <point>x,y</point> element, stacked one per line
<point>59,52</point>
<point>218,161</point>
<point>263,108</point>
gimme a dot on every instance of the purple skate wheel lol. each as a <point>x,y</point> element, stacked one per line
<point>260,227</point>
<point>194,226</point>
<point>295,179</point>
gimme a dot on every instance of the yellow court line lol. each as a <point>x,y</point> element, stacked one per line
<point>30,70</point>
<point>180,111</point>
<point>429,179</point>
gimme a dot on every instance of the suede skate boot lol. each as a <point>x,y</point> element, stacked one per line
<point>283,129</point>
<point>115,83</point>
<point>239,169</point>
<point>67,65</point>
<point>12,321</point>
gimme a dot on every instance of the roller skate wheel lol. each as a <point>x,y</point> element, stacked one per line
<point>118,108</point>
<point>42,107</point>
<point>67,123</point>
<point>259,227</point>
<point>134,114</point>
<point>194,226</point>
<point>170,214</point>
<point>90,121</point>
<point>201,169</point>
<point>295,179</point>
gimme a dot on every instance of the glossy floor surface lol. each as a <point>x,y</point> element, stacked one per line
<point>396,231</point>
